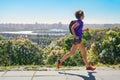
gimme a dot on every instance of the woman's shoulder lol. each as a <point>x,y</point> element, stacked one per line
<point>79,22</point>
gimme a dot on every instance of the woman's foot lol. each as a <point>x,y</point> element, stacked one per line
<point>58,64</point>
<point>91,68</point>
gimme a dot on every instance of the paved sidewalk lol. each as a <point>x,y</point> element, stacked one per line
<point>61,75</point>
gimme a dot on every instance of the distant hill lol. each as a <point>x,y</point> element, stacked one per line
<point>43,27</point>
<point>30,27</point>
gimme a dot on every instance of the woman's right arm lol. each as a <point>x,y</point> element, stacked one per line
<point>73,31</point>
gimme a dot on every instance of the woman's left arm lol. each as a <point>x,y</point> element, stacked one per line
<point>85,30</point>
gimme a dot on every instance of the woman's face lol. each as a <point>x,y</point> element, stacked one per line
<point>82,17</point>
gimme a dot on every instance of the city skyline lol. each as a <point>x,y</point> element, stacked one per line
<point>55,11</point>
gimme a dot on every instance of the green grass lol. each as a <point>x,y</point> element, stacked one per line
<point>50,67</point>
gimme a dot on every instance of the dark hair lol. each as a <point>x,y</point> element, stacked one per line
<point>79,13</point>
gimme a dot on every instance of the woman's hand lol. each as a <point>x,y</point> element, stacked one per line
<point>87,29</point>
<point>76,37</point>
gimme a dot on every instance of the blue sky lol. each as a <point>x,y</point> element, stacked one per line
<point>54,11</point>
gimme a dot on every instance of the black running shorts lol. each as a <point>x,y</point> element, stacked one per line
<point>77,41</point>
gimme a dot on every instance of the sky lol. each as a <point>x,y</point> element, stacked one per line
<point>55,11</point>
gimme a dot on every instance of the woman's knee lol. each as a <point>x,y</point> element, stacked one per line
<point>84,54</point>
<point>71,52</point>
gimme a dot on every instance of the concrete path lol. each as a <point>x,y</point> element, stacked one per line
<point>61,75</point>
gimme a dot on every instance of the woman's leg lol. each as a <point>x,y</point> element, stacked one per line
<point>73,49</point>
<point>84,55</point>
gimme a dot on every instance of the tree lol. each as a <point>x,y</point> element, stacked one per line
<point>20,51</point>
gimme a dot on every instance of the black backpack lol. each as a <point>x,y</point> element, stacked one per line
<point>70,25</point>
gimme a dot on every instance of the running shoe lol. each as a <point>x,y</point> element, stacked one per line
<point>58,64</point>
<point>91,68</point>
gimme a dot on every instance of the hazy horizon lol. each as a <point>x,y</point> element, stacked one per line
<point>60,23</point>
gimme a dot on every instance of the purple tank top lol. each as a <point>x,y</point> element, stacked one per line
<point>79,28</point>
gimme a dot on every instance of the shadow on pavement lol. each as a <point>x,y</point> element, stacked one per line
<point>89,77</point>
